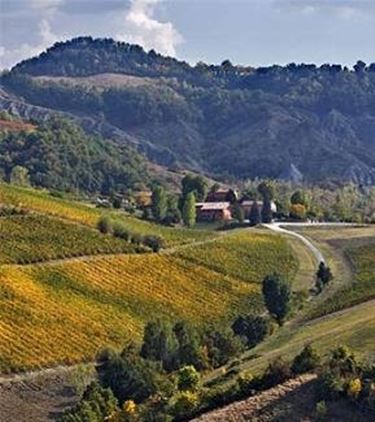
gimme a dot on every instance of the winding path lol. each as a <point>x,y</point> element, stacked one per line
<point>280,228</point>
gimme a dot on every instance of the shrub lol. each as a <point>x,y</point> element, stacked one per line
<point>252,328</point>
<point>184,403</point>
<point>104,224</point>
<point>276,373</point>
<point>155,243</point>
<point>306,361</point>
<point>188,379</point>
<point>330,386</point>
<point>354,388</point>
<point>120,231</point>
<point>321,410</point>
<point>137,239</point>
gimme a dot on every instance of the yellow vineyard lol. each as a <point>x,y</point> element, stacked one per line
<point>65,312</point>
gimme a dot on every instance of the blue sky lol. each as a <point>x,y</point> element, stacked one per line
<point>250,32</point>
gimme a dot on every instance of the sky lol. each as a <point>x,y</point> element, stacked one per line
<point>247,32</point>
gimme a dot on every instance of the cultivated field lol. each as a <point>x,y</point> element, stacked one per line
<point>32,238</point>
<point>43,202</point>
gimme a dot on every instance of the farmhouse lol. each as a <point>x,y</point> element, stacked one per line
<point>213,211</point>
<point>247,204</point>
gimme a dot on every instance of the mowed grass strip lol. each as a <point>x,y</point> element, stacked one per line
<point>249,255</point>
<point>32,238</point>
<point>64,313</point>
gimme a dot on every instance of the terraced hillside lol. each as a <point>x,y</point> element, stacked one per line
<point>65,311</point>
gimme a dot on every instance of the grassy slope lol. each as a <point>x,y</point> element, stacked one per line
<point>351,254</point>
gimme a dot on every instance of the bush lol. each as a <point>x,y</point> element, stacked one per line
<point>330,386</point>
<point>321,410</point>
<point>184,403</point>
<point>188,379</point>
<point>104,225</point>
<point>120,231</point>
<point>276,373</point>
<point>252,328</point>
<point>136,239</point>
<point>155,243</point>
<point>306,361</point>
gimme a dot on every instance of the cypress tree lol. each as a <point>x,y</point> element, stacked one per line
<point>255,217</point>
<point>189,214</point>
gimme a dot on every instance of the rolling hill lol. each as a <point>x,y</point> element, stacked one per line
<point>293,122</point>
<point>80,290</point>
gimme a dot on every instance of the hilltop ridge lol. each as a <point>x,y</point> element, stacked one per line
<point>221,120</point>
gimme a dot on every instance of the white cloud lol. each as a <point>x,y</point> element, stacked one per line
<point>141,27</point>
<point>10,57</point>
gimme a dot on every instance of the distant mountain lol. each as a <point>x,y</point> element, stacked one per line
<point>293,122</point>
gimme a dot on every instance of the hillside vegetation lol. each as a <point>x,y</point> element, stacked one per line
<point>59,155</point>
<point>293,122</point>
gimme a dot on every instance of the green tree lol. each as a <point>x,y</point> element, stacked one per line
<point>159,344</point>
<point>130,377</point>
<point>196,184</point>
<point>299,197</point>
<point>305,361</point>
<point>255,216</point>
<point>20,176</point>
<point>159,203</point>
<point>222,345</point>
<point>189,214</point>
<point>267,211</point>
<point>324,274</point>
<point>277,296</point>
<point>104,224</point>
<point>267,190</point>
<point>252,328</point>
<point>189,350</point>
<point>238,212</point>
<point>96,405</point>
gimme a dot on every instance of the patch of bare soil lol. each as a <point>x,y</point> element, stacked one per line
<point>290,402</point>
<point>42,398</point>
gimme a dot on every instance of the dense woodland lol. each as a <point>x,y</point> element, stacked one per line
<point>297,122</point>
<point>59,155</point>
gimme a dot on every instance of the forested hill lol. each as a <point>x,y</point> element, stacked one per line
<point>292,122</point>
